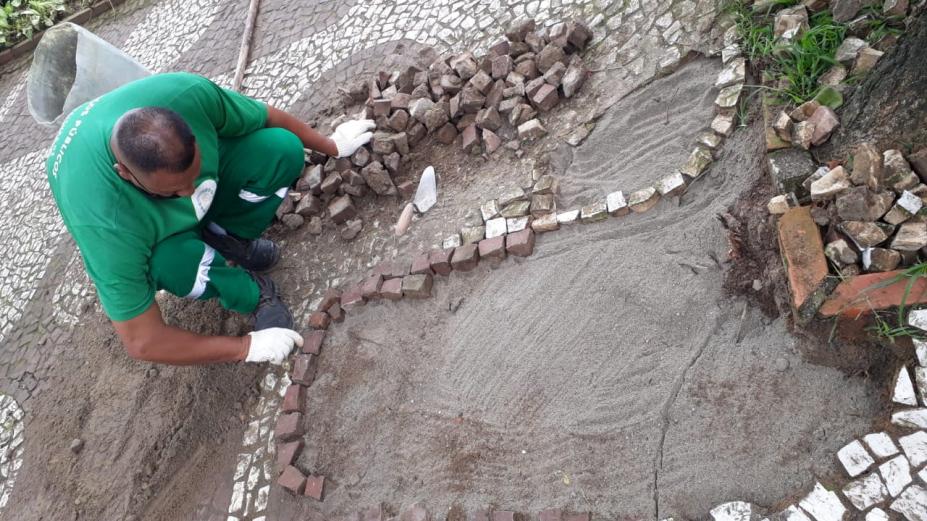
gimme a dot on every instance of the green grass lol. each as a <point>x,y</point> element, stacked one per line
<point>880,25</point>
<point>883,326</point>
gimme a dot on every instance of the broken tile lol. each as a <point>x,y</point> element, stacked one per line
<point>472,234</point>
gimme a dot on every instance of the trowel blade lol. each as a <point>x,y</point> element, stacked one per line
<point>427,194</point>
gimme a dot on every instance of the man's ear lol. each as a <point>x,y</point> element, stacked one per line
<point>122,171</point>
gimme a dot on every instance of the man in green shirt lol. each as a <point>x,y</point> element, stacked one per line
<point>164,180</point>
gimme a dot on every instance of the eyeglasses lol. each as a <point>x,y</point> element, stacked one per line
<point>141,188</point>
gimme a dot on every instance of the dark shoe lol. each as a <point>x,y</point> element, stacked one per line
<point>270,311</point>
<point>253,255</point>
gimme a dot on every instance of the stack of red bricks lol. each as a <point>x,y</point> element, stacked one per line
<point>476,100</point>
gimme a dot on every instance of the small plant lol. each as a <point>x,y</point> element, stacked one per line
<point>20,19</point>
<point>880,25</point>
<point>883,327</point>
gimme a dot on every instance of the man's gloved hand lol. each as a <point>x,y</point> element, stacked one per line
<point>351,135</point>
<point>272,345</point>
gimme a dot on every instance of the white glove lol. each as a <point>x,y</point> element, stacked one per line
<point>351,135</point>
<point>272,345</point>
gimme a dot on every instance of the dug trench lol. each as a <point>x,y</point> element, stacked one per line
<point>610,372</point>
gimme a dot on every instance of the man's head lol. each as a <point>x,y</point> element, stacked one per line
<point>156,151</point>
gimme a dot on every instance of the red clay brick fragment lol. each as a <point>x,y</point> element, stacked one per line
<point>353,297</point>
<point>287,453</point>
<point>371,286</point>
<point>421,265</point>
<point>417,286</point>
<point>803,253</point>
<point>312,342</point>
<point>860,295</point>
<point>289,426</point>
<point>292,479</point>
<point>551,514</point>
<point>314,486</point>
<point>294,399</point>
<point>304,369</point>
<point>493,249</point>
<point>336,313</point>
<point>520,244</point>
<point>319,320</point>
<point>441,261</point>
<point>391,289</point>
<point>330,297</point>
<point>392,269</point>
<point>465,257</point>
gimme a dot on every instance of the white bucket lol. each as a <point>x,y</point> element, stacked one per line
<point>71,66</point>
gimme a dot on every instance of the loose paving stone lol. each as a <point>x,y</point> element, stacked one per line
<point>881,444</point>
<point>353,298</point>
<point>671,185</point>
<point>292,480</point>
<point>791,513</point>
<point>710,140</point>
<point>854,458</point>
<point>911,236</point>
<point>546,184</point>
<point>465,258</point>
<point>341,209</point>
<point>293,399</point>
<point>823,504</point>
<point>920,349</point>
<point>304,369</point>
<point>421,264</point>
<point>440,261</point>
<point>840,253</point>
<point>520,244</point>
<point>496,227</point>
<point>451,242</point>
<point>831,184</point>
<point>542,205</point>
<point>472,234</point>
<point>866,60</point>
<point>903,392</point>
<point>516,224</point>
<point>568,217</point>
<point>643,200</point>
<point>493,249</point>
<point>545,223</point>
<point>512,196</point>
<point>516,209</point>
<point>866,492</point>
<point>920,380</point>
<point>912,503</point>
<point>735,511</point>
<point>859,203</point>
<point>319,320</point>
<point>329,298</point>
<point>616,205</point>
<point>914,419</point>
<point>391,289</point>
<point>490,209</point>
<point>824,121</point>
<point>312,342</point>
<point>897,474</point>
<point>803,134</point>
<point>289,426</point>
<point>778,205</point>
<point>915,447</point>
<point>314,486</point>
<point>532,129</point>
<point>734,72</point>
<point>594,212</point>
<point>729,96</point>
<point>868,167</point>
<point>863,234</point>
<point>417,286</point>
<point>723,124</point>
<point>876,514</point>
<point>918,319</point>
<point>881,260</point>
<point>698,162</point>
<point>287,453</point>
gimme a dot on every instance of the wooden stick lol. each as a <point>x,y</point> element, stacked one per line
<point>245,45</point>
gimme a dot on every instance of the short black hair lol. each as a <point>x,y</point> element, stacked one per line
<point>155,138</point>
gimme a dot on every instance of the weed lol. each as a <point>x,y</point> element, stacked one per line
<point>882,326</point>
<point>20,19</point>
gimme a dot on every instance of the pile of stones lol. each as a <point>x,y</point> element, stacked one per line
<point>873,209</point>
<point>478,101</point>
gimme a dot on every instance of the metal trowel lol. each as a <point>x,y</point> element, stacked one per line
<point>427,194</point>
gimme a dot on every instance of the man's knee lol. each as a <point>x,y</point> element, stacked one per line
<point>288,151</point>
<point>180,265</point>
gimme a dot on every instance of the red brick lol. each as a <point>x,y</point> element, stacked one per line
<point>331,296</point>
<point>521,243</point>
<point>417,286</point>
<point>578,516</point>
<point>470,140</point>
<point>341,209</point>
<point>314,486</point>
<point>287,453</point>
<point>392,269</point>
<point>336,313</point>
<point>319,320</point>
<point>504,515</point>
<point>312,342</point>
<point>304,368</point>
<point>551,514</point>
<point>391,289</point>
<point>860,295</point>
<point>373,514</point>
<point>480,515</point>
<point>440,261</point>
<point>289,426</point>
<point>803,253</point>
<point>292,479</point>
<point>371,286</point>
<point>465,257</point>
<point>294,399</point>
<point>353,297</point>
<point>493,249</point>
<point>421,264</point>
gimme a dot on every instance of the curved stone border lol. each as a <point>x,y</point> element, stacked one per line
<point>79,18</point>
<point>11,445</point>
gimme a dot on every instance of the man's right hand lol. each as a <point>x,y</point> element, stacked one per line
<point>272,345</point>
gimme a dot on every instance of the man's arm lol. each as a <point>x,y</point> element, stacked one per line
<point>147,337</point>
<point>311,139</point>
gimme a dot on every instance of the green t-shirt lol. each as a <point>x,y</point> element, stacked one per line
<point>114,224</point>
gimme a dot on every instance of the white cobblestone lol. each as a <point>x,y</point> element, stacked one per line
<point>823,504</point>
<point>881,444</point>
<point>915,447</point>
<point>854,458</point>
<point>897,474</point>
